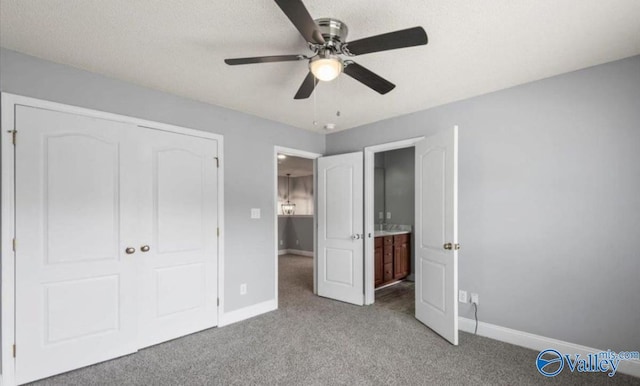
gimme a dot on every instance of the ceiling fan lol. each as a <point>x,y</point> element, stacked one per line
<point>326,38</point>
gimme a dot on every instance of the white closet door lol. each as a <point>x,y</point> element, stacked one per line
<point>75,215</point>
<point>178,282</point>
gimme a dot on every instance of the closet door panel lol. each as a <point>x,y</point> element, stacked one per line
<point>75,286</point>
<point>178,285</point>
<point>179,200</point>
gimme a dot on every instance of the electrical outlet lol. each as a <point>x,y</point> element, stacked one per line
<point>381,215</point>
<point>281,242</point>
<point>297,242</point>
<point>255,213</point>
<point>388,215</point>
<point>462,296</point>
<point>475,298</point>
<point>243,289</point>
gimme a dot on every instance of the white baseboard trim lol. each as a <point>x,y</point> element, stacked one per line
<point>295,252</point>
<point>301,252</point>
<point>248,312</point>
<point>538,342</point>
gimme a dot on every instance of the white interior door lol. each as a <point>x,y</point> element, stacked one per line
<point>178,277</point>
<point>75,215</point>
<point>437,233</point>
<point>340,228</point>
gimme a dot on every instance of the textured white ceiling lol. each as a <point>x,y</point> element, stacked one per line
<point>178,46</point>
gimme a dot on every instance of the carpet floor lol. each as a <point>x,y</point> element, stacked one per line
<point>310,340</point>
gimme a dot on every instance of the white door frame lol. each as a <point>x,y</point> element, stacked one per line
<point>7,207</point>
<point>369,216</point>
<point>302,154</point>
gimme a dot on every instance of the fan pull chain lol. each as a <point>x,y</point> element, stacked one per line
<point>339,98</point>
<point>315,108</point>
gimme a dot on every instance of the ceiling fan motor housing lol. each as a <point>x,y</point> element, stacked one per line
<point>332,30</point>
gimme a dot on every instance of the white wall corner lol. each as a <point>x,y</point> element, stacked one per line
<point>248,312</point>
<point>538,342</point>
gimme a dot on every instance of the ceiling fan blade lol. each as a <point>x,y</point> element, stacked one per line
<point>299,16</point>
<point>308,84</point>
<point>368,78</point>
<point>264,59</point>
<point>410,37</point>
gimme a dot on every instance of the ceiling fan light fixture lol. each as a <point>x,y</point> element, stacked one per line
<point>326,68</point>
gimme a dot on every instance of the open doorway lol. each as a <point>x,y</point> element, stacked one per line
<point>295,218</point>
<point>394,214</point>
<point>390,215</point>
<point>435,229</point>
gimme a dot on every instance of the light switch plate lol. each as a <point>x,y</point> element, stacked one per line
<point>255,213</point>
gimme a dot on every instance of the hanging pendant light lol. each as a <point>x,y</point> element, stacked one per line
<point>288,208</point>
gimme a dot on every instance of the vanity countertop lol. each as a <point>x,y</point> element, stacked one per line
<point>390,233</point>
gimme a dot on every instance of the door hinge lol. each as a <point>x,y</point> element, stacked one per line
<point>217,162</point>
<point>14,350</point>
<point>13,242</point>
<point>218,231</point>
<point>218,302</point>
<point>13,136</point>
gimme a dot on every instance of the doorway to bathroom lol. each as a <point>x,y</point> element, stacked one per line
<point>394,216</point>
<point>295,219</point>
<point>435,231</point>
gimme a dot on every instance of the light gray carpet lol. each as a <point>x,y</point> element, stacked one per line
<point>315,341</point>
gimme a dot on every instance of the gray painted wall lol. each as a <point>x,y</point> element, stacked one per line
<point>549,203</point>
<point>282,232</point>
<point>399,166</point>
<point>248,155</point>
<point>378,195</point>
<point>301,190</point>
<point>297,232</point>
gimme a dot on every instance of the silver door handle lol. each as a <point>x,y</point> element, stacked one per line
<point>145,248</point>
<point>355,237</point>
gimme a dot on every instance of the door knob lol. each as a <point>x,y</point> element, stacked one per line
<point>448,246</point>
<point>145,248</point>
<point>130,250</point>
<point>355,237</point>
